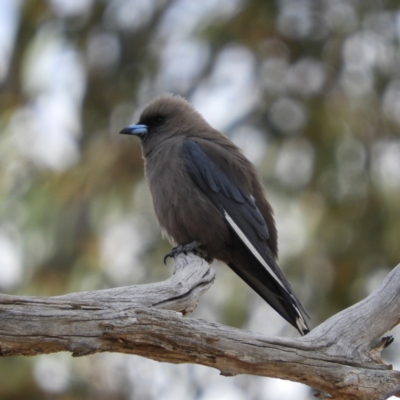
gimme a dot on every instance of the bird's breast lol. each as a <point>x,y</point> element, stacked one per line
<point>183,212</point>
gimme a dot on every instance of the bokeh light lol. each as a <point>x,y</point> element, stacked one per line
<point>309,90</point>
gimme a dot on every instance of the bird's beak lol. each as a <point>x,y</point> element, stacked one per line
<point>135,129</point>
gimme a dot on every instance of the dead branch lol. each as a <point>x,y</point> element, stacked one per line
<point>341,357</point>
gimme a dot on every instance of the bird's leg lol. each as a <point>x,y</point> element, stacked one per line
<point>187,248</point>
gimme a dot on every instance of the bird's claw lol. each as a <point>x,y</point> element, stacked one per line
<point>174,252</point>
<point>181,248</point>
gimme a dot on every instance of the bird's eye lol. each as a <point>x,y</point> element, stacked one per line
<point>158,120</point>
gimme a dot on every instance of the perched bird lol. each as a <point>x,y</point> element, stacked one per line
<point>208,196</point>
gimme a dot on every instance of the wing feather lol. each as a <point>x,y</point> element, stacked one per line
<point>238,208</point>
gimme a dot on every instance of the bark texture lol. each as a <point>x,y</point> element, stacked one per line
<point>341,358</point>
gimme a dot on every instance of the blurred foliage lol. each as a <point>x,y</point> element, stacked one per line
<point>326,101</point>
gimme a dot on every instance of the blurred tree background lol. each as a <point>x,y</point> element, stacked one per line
<point>310,89</point>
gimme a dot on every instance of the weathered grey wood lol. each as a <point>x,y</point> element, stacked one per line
<point>340,357</point>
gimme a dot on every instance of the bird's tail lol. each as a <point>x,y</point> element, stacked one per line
<point>281,299</point>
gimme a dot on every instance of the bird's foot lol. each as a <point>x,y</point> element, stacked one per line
<point>193,247</point>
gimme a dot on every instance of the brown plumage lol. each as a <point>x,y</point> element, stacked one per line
<point>205,190</point>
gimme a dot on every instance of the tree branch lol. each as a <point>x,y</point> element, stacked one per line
<point>339,357</point>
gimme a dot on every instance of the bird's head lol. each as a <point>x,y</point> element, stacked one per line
<point>165,117</point>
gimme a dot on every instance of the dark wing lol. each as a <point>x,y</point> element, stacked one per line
<point>238,208</point>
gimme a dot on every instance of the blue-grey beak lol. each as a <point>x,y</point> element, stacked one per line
<point>135,129</point>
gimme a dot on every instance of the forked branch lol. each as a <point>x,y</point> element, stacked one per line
<point>341,357</point>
